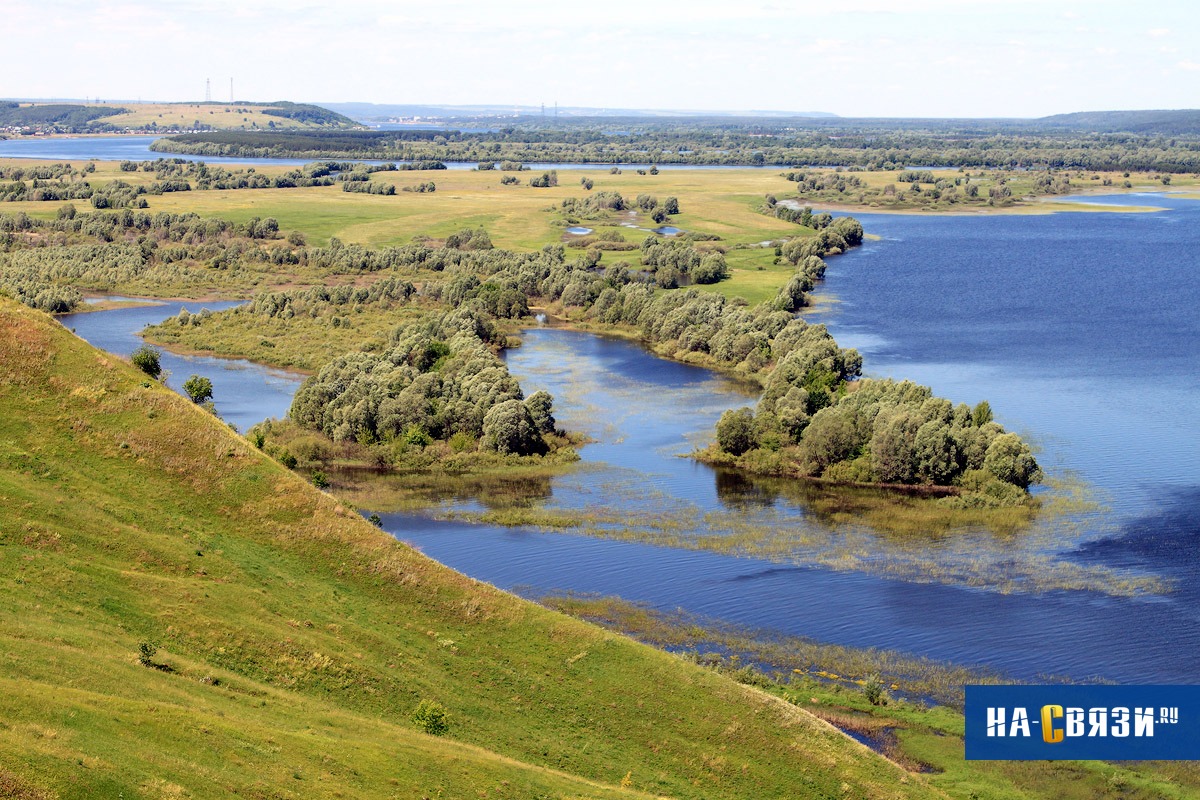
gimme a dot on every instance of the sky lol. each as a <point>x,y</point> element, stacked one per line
<point>888,58</point>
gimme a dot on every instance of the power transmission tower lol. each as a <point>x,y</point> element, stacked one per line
<point>207,90</point>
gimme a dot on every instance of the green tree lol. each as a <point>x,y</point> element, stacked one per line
<point>146,359</point>
<point>712,268</point>
<point>1011,460</point>
<point>735,431</point>
<point>198,388</point>
<point>936,453</point>
<point>508,427</point>
<point>981,414</point>
<point>892,448</point>
<point>146,652</point>
<point>540,405</point>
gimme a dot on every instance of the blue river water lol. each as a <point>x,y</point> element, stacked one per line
<point>135,147</point>
<point>1082,331</point>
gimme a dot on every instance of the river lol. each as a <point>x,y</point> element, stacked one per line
<point>136,147</point>
<point>1082,332</point>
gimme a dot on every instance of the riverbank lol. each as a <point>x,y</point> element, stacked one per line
<point>1031,207</point>
<point>880,698</point>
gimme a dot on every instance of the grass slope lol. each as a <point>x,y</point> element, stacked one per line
<point>221,116</point>
<point>295,640</point>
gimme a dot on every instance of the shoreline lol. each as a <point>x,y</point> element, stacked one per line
<point>1025,207</point>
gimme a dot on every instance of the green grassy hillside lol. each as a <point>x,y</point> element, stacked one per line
<point>295,640</point>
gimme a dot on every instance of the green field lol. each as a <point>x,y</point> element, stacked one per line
<point>722,202</point>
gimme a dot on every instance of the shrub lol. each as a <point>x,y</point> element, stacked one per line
<point>198,388</point>
<point>146,651</point>
<point>319,479</point>
<point>417,435</point>
<point>874,691</point>
<point>432,718</point>
<point>146,359</point>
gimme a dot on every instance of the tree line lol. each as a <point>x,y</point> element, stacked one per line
<point>764,143</point>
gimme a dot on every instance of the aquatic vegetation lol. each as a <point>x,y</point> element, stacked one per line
<point>873,531</point>
<point>783,658</point>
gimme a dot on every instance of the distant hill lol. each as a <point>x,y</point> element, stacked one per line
<point>110,117</point>
<point>62,114</point>
<point>373,112</point>
<point>1168,122</point>
<point>180,616</point>
<point>306,113</point>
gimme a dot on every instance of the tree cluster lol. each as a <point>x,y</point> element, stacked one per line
<point>374,187</point>
<point>882,431</point>
<point>322,300</point>
<point>440,377</point>
<point>674,262</point>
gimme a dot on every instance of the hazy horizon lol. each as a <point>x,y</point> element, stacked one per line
<point>864,58</point>
<point>496,109</point>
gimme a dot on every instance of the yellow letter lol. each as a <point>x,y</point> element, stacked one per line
<point>1051,734</point>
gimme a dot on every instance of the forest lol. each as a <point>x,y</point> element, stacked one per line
<point>67,117</point>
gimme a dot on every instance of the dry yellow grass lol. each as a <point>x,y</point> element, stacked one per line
<point>185,115</point>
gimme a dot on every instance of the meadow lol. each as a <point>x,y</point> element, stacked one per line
<point>728,203</point>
